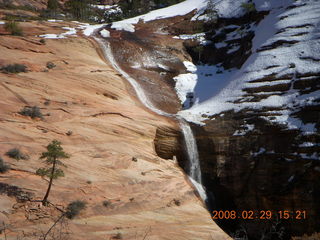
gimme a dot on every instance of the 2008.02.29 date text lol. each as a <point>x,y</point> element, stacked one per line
<point>262,214</point>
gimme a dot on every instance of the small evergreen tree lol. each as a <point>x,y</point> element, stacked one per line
<point>199,49</point>
<point>249,7</point>
<point>3,167</point>
<point>74,208</point>
<point>13,28</point>
<point>52,156</point>
<point>52,6</point>
<point>212,12</point>
<point>80,9</point>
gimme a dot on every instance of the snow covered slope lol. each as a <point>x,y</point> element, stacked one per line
<point>286,50</point>
<point>226,8</point>
<point>178,9</point>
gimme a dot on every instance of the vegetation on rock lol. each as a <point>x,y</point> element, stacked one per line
<point>80,9</point>
<point>13,28</point>
<point>15,153</point>
<point>33,112</point>
<point>14,68</point>
<point>117,236</point>
<point>74,208</point>
<point>249,7</point>
<point>50,65</point>
<point>3,166</point>
<point>106,203</point>
<point>52,6</point>
<point>211,11</point>
<point>131,8</point>
<point>52,156</point>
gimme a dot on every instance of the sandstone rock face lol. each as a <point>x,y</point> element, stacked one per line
<point>167,142</point>
<point>26,3</point>
<point>145,57</point>
<point>109,134</point>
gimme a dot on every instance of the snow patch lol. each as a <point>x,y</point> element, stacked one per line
<point>171,11</point>
<point>104,7</point>
<point>307,144</point>
<point>185,83</point>
<point>314,156</point>
<point>190,66</point>
<point>278,25</point>
<point>123,26</point>
<point>89,29</point>
<point>105,33</point>
<point>221,45</point>
<point>54,20</point>
<point>246,128</point>
<point>200,37</point>
<point>291,178</point>
<point>70,32</point>
<point>261,151</point>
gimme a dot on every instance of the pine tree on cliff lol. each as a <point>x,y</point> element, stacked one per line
<point>80,9</point>
<point>212,12</point>
<point>52,156</point>
<point>52,5</point>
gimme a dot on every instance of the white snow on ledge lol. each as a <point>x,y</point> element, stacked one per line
<point>308,144</point>
<point>89,29</point>
<point>54,20</point>
<point>261,151</point>
<point>190,66</point>
<point>259,65</point>
<point>246,128</point>
<point>105,33</point>
<point>171,11</point>
<point>123,26</point>
<point>226,8</point>
<point>70,32</point>
<point>104,7</point>
<point>185,83</point>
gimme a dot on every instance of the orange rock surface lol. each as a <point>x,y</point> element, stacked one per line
<point>107,127</point>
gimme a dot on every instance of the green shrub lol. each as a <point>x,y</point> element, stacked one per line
<point>15,153</point>
<point>106,203</point>
<point>33,112</point>
<point>212,11</point>
<point>53,5</point>
<point>14,68</point>
<point>80,9</point>
<point>248,7</point>
<point>177,202</point>
<point>10,6</point>
<point>74,208</point>
<point>131,8</point>
<point>47,172</point>
<point>166,3</point>
<point>117,236</point>
<point>14,28</point>
<point>50,65</point>
<point>3,167</point>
